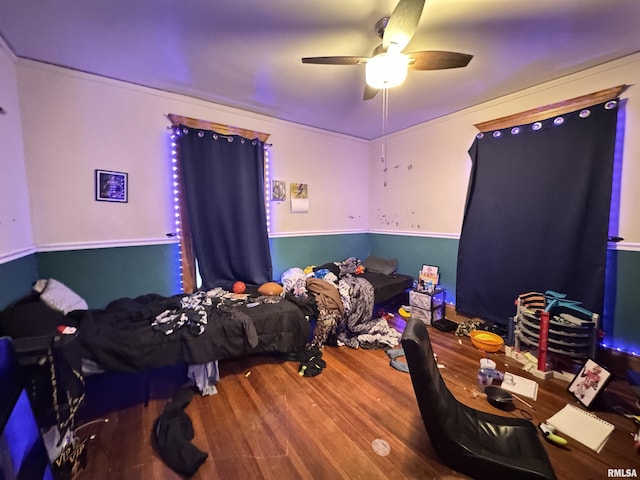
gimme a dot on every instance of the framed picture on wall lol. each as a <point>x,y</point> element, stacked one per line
<point>278,190</point>
<point>299,193</point>
<point>111,186</point>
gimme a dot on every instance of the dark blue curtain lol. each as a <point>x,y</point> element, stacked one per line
<point>537,213</point>
<point>223,185</point>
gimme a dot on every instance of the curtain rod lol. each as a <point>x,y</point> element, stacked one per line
<point>551,110</point>
<point>171,127</point>
<point>218,128</point>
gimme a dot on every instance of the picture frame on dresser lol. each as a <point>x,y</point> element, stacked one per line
<point>428,278</point>
<point>589,382</point>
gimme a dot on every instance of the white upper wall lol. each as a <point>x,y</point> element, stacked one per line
<point>75,123</point>
<point>15,220</point>
<point>428,165</point>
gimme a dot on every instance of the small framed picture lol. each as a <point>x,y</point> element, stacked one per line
<point>111,186</point>
<point>278,190</point>
<point>428,278</point>
<point>589,382</point>
<point>299,194</point>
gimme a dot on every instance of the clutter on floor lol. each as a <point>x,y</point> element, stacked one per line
<point>173,432</point>
<point>311,363</point>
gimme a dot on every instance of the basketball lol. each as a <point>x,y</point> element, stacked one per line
<point>239,287</point>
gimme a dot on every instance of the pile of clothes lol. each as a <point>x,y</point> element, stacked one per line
<point>344,304</point>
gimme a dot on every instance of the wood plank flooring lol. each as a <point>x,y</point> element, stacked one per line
<point>267,422</point>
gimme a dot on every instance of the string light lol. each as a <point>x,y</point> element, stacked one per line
<point>176,199</point>
<point>618,349</point>
<point>267,182</point>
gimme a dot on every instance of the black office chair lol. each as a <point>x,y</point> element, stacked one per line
<point>479,444</point>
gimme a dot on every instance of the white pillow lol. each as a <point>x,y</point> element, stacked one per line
<point>60,297</point>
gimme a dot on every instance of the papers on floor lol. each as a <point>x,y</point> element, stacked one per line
<point>520,385</point>
<point>584,427</point>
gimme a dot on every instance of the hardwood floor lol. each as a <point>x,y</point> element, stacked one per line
<point>268,422</point>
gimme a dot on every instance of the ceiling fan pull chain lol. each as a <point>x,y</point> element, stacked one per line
<point>385,113</point>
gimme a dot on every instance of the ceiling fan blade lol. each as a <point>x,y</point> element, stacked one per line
<point>369,92</point>
<point>402,24</point>
<point>336,60</point>
<point>437,60</point>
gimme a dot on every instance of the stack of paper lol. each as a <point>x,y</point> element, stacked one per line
<point>520,385</point>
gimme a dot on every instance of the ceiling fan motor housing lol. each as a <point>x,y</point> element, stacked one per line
<point>381,25</point>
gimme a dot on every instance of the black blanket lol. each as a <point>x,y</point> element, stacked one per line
<point>120,337</point>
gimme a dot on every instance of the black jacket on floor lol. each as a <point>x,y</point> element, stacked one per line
<point>173,432</point>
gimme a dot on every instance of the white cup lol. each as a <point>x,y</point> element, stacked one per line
<point>487,363</point>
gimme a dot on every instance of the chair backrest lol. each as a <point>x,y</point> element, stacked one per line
<point>479,444</point>
<point>439,409</point>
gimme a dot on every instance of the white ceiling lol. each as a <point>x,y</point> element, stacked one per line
<point>246,53</point>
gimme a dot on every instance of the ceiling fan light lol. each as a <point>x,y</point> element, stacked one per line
<point>386,70</point>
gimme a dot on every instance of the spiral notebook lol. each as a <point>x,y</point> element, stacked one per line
<point>584,427</point>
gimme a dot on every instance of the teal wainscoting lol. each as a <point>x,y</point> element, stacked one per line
<point>17,278</point>
<point>621,318</point>
<point>412,252</point>
<point>287,252</point>
<point>104,274</point>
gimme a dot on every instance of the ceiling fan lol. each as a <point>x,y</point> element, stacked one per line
<point>387,67</point>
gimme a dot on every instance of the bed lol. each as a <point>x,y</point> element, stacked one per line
<point>120,337</point>
<point>387,286</point>
<point>380,272</point>
<point>59,341</point>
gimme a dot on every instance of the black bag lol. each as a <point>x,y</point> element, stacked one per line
<point>71,461</point>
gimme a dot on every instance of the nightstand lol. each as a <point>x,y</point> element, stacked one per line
<point>428,306</point>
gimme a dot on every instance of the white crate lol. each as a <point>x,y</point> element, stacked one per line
<point>427,316</point>
<point>426,301</point>
<point>419,300</point>
<point>427,307</point>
